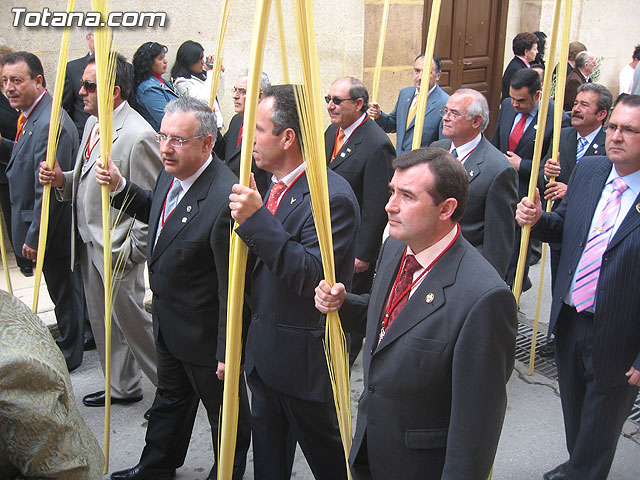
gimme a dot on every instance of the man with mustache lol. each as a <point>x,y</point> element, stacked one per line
<point>585,137</point>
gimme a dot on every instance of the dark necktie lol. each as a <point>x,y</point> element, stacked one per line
<point>405,279</point>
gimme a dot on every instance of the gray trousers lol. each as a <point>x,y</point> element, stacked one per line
<point>132,343</point>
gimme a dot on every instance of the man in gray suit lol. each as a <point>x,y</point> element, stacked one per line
<point>441,328</point>
<point>487,222</point>
<point>402,119</point>
<point>25,86</point>
<point>135,152</point>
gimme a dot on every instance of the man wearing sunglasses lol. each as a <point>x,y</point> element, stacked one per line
<point>72,101</point>
<point>25,87</point>
<point>362,153</point>
<point>135,151</point>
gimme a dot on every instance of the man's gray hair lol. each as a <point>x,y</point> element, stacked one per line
<point>264,79</point>
<point>207,124</point>
<point>478,106</point>
<point>582,58</point>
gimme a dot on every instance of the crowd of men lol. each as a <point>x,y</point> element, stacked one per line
<point>431,302</point>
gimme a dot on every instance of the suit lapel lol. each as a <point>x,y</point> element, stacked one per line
<point>351,145</point>
<point>29,126</point>
<point>473,163</point>
<point>629,224</point>
<point>184,213</point>
<point>380,295</point>
<point>597,146</point>
<point>428,297</point>
<point>593,189</point>
<point>292,198</point>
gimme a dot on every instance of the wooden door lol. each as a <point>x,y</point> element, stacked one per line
<point>470,43</point>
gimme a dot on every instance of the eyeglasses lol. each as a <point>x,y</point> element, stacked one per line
<point>624,130</point>
<point>240,91</point>
<point>337,100</point>
<point>176,142</point>
<point>445,111</point>
<point>89,86</point>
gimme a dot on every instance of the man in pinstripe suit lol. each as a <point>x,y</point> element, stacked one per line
<point>595,307</point>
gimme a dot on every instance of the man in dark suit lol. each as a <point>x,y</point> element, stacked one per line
<point>585,64</point>
<point>8,122</point>
<point>71,99</point>
<point>487,222</point>
<point>24,84</point>
<point>595,307</point>
<point>229,147</point>
<point>362,153</point>
<point>188,251</point>
<point>285,361</point>
<point>585,138</point>
<point>515,137</point>
<point>402,119</point>
<point>440,337</point>
<point>525,49</point>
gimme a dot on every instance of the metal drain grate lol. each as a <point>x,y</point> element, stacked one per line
<point>546,365</point>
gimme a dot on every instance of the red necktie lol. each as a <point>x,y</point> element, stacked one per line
<point>517,132</point>
<point>339,144</point>
<point>274,195</point>
<point>240,134</point>
<point>21,121</point>
<point>405,279</point>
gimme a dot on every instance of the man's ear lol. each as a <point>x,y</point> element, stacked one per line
<point>447,207</point>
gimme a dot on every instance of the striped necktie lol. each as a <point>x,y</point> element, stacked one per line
<point>582,148</point>
<point>588,272</point>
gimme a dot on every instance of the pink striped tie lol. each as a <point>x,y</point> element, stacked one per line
<point>584,290</point>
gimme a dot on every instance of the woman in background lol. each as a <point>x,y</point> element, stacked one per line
<point>152,91</point>
<point>192,75</point>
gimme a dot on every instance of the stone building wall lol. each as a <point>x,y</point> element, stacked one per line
<point>339,32</point>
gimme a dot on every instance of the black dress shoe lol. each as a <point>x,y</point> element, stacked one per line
<point>140,472</point>
<point>27,271</point>
<point>89,344</point>
<point>97,399</point>
<point>558,473</point>
<point>147,415</point>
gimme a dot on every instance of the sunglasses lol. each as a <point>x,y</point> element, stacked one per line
<point>89,86</point>
<point>337,100</point>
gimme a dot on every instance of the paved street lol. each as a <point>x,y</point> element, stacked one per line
<point>532,440</point>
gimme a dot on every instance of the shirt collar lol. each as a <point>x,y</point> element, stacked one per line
<point>467,148</point>
<point>429,254</point>
<point>291,176</point>
<point>526,62</point>
<point>591,136</point>
<point>188,182</point>
<point>632,180</point>
<point>30,110</point>
<point>351,128</point>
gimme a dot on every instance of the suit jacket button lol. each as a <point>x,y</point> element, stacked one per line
<point>372,389</point>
